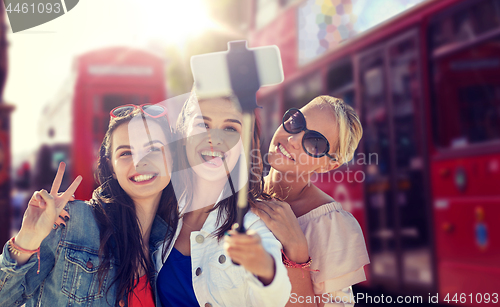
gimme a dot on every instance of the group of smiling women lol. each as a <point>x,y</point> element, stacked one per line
<point>160,228</point>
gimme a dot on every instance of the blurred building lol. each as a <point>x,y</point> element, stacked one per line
<point>426,84</point>
<point>5,110</point>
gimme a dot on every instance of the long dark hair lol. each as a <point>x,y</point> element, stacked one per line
<point>226,216</point>
<point>115,213</point>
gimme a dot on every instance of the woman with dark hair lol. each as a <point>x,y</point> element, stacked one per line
<point>104,254</point>
<point>198,270</point>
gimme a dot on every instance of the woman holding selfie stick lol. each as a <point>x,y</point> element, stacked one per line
<point>318,236</point>
<point>198,269</point>
<point>104,255</point>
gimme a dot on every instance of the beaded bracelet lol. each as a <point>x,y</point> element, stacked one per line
<point>17,250</point>
<point>292,264</point>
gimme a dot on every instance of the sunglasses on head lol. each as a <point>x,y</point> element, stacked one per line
<point>314,143</point>
<point>152,110</point>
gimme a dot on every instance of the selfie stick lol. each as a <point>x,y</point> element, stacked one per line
<point>245,83</point>
<point>248,70</point>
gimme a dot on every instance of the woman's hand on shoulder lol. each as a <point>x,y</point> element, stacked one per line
<point>246,249</point>
<point>44,209</point>
<point>283,223</point>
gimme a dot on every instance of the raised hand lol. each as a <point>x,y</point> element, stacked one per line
<point>283,223</point>
<point>64,215</point>
<point>43,210</point>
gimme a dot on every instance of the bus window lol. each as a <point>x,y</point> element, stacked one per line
<point>466,24</point>
<point>378,192</point>
<point>480,111</point>
<point>405,91</point>
<point>300,92</point>
<point>467,96</point>
<point>340,82</point>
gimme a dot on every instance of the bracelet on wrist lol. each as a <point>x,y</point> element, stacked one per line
<point>17,250</point>
<point>292,264</point>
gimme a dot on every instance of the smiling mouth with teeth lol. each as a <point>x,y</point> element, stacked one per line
<point>141,178</point>
<point>208,156</point>
<point>285,152</point>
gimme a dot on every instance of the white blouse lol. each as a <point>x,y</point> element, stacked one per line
<point>337,249</point>
<point>218,282</point>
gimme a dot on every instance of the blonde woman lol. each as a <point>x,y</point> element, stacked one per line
<point>104,254</point>
<point>316,233</point>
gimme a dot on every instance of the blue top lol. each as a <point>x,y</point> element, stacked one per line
<point>175,283</point>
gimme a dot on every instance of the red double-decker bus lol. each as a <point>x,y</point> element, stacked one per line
<point>425,181</point>
<point>72,126</point>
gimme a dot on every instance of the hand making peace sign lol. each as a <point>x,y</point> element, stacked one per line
<point>44,208</point>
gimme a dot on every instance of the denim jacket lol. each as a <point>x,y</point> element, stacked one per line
<point>69,263</point>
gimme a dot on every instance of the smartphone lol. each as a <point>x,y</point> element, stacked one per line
<point>211,71</point>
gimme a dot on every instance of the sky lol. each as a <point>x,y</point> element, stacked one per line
<point>40,58</point>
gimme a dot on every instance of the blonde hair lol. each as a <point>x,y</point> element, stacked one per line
<point>349,127</point>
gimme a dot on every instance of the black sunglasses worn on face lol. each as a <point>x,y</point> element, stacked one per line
<point>314,143</point>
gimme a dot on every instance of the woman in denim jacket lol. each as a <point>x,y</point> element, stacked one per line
<point>104,255</point>
<point>314,229</point>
